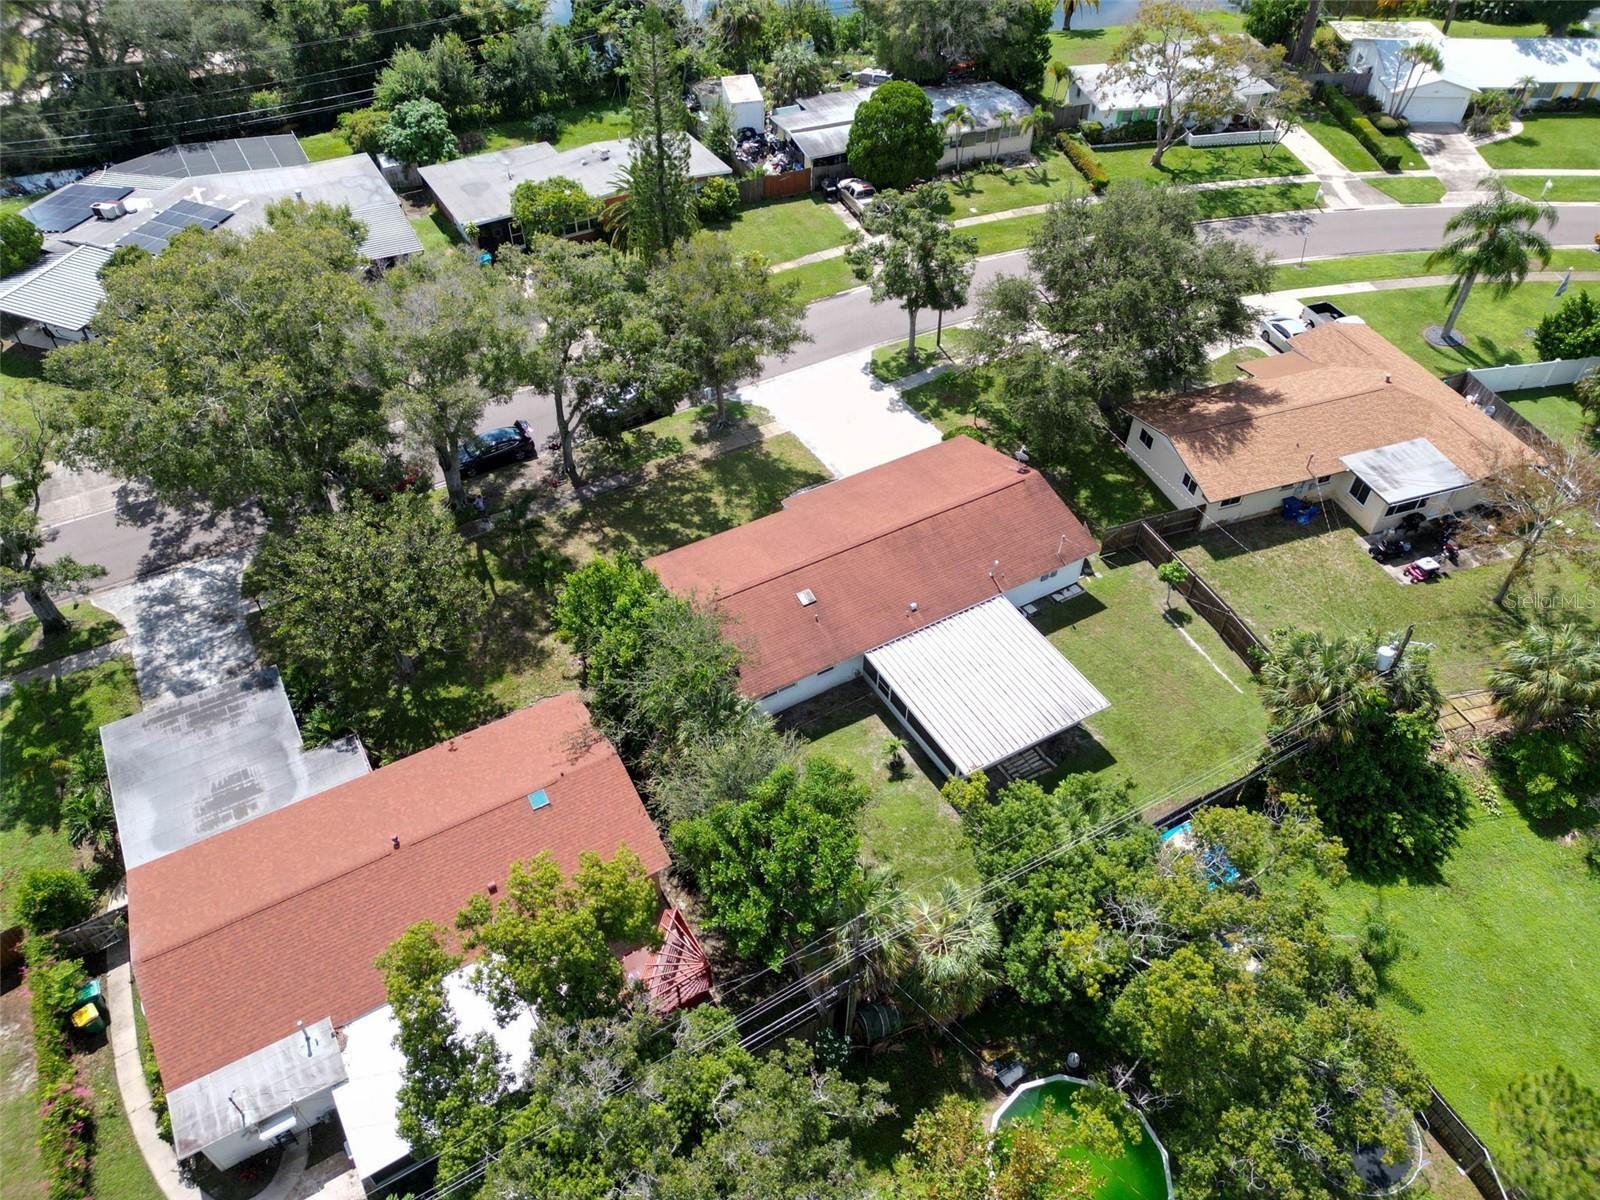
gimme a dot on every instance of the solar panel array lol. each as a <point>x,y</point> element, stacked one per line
<point>71,206</point>
<point>224,157</point>
<point>154,234</point>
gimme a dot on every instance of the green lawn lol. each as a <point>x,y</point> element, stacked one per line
<point>1211,164</point>
<point>1097,480</point>
<point>816,280</point>
<point>435,232</point>
<point>596,121</point>
<point>889,360</point>
<point>685,430</point>
<point>997,237</point>
<point>1499,977</point>
<point>21,646</point>
<point>514,658</point>
<point>1219,203</point>
<point>1095,45</point>
<point>784,230</point>
<point>1556,411</point>
<point>1563,188</point>
<point>1410,189</point>
<point>1496,329</point>
<point>1225,367</point>
<point>1337,140</point>
<point>18,203</point>
<point>978,193</point>
<point>1278,574</point>
<point>1181,702</point>
<point>41,724</point>
<point>330,144</point>
<point>907,826</point>
<point>1554,140</point>
<point>119,1166</point>
<point>1355,268</point>
<point>21,383</point>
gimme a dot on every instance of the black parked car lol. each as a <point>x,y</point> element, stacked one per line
<point>497,447</point>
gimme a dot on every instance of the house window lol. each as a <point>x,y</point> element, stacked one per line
<point>1048,575</point>
<point>1324,478</point>
<point>825,670</point>
<point>1229,503</point>
<point>1404,506</point>
<point>1545,91</point>
<point>1189,485</point>
<point>1145,439</point>
<point>1359,491</point>
<point>870,670</point>
<point>1288,487</point>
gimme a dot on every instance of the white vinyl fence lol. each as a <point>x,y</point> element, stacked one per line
<point>1554,373</point>
<point>1245,137</point>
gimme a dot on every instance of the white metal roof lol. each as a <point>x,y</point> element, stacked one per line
<point>60,289</point>
<point>741,89</point>
<point>985,103</point>
<point>197,765</point>
<point>1406,470</point>
<point>1503,63</point>
<point>986,684</point>
<point>249,1092</point>
<point>368,1102</point>
<point>1115,95</point>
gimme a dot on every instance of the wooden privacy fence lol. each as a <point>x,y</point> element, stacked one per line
<point>1142,536</point>
<point>1493,405</point>
<point>753,189</point>
<point>1465,1147</point>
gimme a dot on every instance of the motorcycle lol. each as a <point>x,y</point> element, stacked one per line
<point>1452,552</point>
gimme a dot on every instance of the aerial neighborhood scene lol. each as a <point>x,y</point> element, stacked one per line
<point>800,599</point>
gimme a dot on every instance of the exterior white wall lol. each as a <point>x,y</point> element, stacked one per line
<point>1439,103</point>
<point>1050,581</point>
<point>1163,464</point>
<point>1373,516</point>
<point>811,685</point>
<point>983,151</point>
<point>236,1147</point>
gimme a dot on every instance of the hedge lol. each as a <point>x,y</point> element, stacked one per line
<point>66,1114</point>
<point>1083,158</point>
<point>1363,130</point>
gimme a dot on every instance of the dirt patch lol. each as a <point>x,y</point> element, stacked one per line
<point>16,1046</point>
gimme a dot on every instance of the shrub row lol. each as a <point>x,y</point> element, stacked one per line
<point>1077,150</point>
<point>66,1112</point>
<point>1097,134</point>
<point>1363,130</point>
<point>158,1089</point>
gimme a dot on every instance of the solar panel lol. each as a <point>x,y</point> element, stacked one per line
<point>71,206</point>
<point>154,234</point>
<point>153,244</point>
<point>229,157</point>
<point>208,215</point>
<point>287,148</point>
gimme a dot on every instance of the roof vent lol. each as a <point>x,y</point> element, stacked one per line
<point>605,156</point>
<point>806,597</point>
<point>538,800</point>
<point>1388,377</point>
<point>912,607</point>
<point>109,210</point>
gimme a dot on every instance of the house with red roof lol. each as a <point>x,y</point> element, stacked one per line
<point>254,948</point>
<point>920,576</point>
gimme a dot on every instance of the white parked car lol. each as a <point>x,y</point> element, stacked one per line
<point>1279,328</point>
<point>857,195</point>
<point>1324,312</point>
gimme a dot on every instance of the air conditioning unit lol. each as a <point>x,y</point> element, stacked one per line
<point>109,210</point>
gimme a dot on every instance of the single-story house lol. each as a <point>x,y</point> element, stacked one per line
<point>820,125</point>
<point>1343,418</point>
<point>131,204</point>
<point>1561,68</point>
<point>253,948</point>
<point>476,192</point>
<point>1092,96</point>
<point>741,96</point>
<point>916,575</point>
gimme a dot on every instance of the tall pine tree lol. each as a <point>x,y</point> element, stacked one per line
<point>659,209</point>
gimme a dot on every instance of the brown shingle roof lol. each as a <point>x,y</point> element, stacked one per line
<point>926,528</point>
<point>237,937</point>
<point>1344,389</point>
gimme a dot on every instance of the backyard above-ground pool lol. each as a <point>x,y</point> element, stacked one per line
<point>1139,1173</point>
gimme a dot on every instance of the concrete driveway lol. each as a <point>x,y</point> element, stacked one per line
<point>1453,157</point>
<point>846,417</point>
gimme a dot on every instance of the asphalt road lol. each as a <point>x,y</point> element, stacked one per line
<point>133,537</point>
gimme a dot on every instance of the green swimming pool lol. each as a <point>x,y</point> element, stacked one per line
<point>1138,1174</point>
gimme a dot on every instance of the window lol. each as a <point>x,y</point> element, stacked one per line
<point>1229,503</point>
<point>825,670</point>
<point>1404,506</point>
<point>1145,439</point>
<point>1189,485</point>
<point>869,670</point>
<point>1288,487</point>
<point>1324,478</point>
<point>1359,491</point>
<point>1048,575</point>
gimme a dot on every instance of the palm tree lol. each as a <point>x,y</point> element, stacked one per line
<point>1548,676</point>
<point>1032,122</point>
<point>739,24</point>
<point>1494,239</point>
<point>1326,682</point>
<point>1071,8</point>
<point>955,946</point>
<point>1003,115</point>
<point>958,117</point>
<point>1414,58</point>
<point>1525,87</point>
<point>1059,72</point>
<point>874,932</point>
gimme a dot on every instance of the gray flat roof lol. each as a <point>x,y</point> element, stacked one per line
<point>818,112</point>
<point>985,101</point>
<point>822,143</point>
<point>986,684</point>
<point>262,1085</point>
<point>477,190</point>
<point>1407,470</point>
<point>61,289</point>
<point>197,765</point>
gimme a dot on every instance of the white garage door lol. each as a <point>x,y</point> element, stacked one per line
<point>1436,110</point>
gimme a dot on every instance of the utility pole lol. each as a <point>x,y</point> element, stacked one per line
<point>1308,28</point>
<point>1400,651</point>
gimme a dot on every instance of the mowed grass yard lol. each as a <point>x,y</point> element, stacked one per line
<point>1498,977</point>
<point>1184,715</point>
<point>1281,575</point>
<point>595,121</point>
<point>1078,46</point>
<point>907,826</point>
<point>978,193</point>
<point>1212,164</point>
<point>1556,411</point>
<point>1563,188</point>
<point>22,646</point>
<point>1497,330</point>
<point>1355,268</point>
<point>42,724</point>
<point>784,230</point>
<point>1554,140</point>
<point>22,384</point>
<point>1410,189</point>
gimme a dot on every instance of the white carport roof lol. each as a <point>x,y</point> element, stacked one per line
<point>369,1101</point>
<point>985,684</point>
<point>1407,470</point>
<point>62,289</point>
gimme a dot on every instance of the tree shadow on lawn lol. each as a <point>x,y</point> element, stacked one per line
<point>45,723</point>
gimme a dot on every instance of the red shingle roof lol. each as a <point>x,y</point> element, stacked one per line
<point>923,529</point>
<point>237,937</point>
